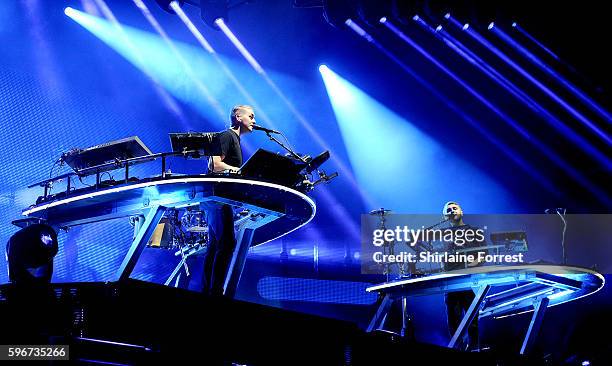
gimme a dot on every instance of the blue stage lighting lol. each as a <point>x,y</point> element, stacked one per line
<point>183,70</point>
<point>408,164</point>
<point>315,290</point>
<point>166,4</point>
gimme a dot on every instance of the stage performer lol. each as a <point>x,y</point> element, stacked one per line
<point>458,302</point>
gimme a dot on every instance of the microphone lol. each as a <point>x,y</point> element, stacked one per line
<point>266,130</point>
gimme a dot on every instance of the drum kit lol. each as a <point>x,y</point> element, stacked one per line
<point>182,230</point>
<point>404,269</point>
<point>186,232</point>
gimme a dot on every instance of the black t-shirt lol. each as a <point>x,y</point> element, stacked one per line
<point>468,244</point>
<point>230,148</point>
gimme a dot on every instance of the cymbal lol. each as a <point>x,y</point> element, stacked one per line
<point>380,212</point>
<point>198,229</point>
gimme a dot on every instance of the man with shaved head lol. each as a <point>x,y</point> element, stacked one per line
<point>220,217</point>
<point>242,119</point>
<point>458,302</point>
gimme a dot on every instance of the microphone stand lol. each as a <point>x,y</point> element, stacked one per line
<point>291,152</point>
<point>561,215</point>
<point>428,246</point>
<point>309,185</point>
<point>438,224</point>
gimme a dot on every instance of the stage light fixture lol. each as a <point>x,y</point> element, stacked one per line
<point>165,5</point>
<point>30,252</point>
<point>371,11</point>
<point>336,12</point>
<point>403,10</point>
<point>212,10</point>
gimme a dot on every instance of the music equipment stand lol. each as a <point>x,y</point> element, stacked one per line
<point>100,158</point>
<point>196,144</point>
<point>275,168</point>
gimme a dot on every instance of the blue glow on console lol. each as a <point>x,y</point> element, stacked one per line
<point>313,290</point>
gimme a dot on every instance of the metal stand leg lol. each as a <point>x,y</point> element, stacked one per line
<point>138,220</point>
<point>177,269</point>
<point>407,326</point>
<point>469,316</point>
<point>539,308</point>
<point>140,241</point>
<point>382,311</point>
<point>234,271</point>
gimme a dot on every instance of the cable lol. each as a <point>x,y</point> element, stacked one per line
<point>83,183</point>
<point>286,140</point>
<point>51,173</point>
<point>563,235</point>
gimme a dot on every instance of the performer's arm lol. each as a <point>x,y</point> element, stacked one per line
<point>219,165</point>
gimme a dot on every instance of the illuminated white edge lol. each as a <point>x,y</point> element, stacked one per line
<point>181,180</point>
<point>487,269</point>
<point>504,268</point>
<point>412,280</point>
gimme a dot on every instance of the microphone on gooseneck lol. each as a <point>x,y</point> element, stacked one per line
<point>266,130</point>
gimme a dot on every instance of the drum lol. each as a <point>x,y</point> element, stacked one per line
<point>163,236</point>
<point>194,221</point>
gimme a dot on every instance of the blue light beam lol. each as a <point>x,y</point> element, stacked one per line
<point>401,167</point>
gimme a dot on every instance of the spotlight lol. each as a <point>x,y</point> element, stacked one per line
<point>404,10</point>
<point>68,11</point>
<point>370,11</point>
<point>336,12</point>
<point>211,10</point>
<point>491,25</point>
<point>323,68</point>
<point>165,4</point>
<point>30,253</point>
